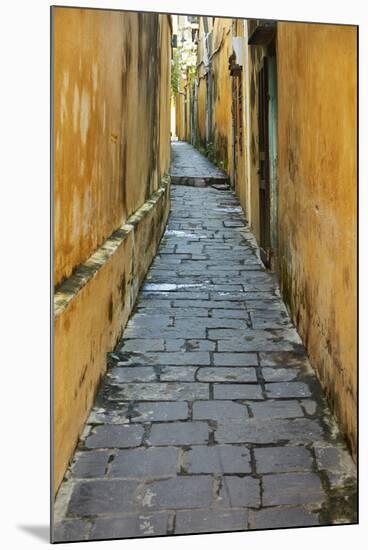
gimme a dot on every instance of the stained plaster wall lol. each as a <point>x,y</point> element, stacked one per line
<point>180,111</point>
<point>317,169</point>
<point>241,170</point>
<point>255,56</point>
<point>202,69</point>
<point>110,109</point>
<point>313,188</point>
<point>222,93</point>
<point>201,111</point>
<point>111,192</point>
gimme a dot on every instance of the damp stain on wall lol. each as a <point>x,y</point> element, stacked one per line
<point>317,192</point>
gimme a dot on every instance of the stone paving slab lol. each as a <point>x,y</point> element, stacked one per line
<point>217,459</point>
<point>159,411</point>
<point>144,462</point>
<point>100,496</point>
<point>210,521</point>
<point>271,430</point>
<point>166,391</point>
<point>132,374</point>
<point>283,459</point>
<point>219,410</point>
<point>238,492</point>
<point>279,375</point>
<point>168,358</point>
<point>111,436</point>
<point>131,526</point>
<point>209,417</point>
<point>235,359</point>
<point>292,488</point>
<point>278,517</point>
<point>237,391</point>
<point>226,374</point>
<point>180,492</point>
<point>276,409</point>
<point>179,433</point>
<point>89,464</point>
<point>180,374</point>
<point>71,530</point>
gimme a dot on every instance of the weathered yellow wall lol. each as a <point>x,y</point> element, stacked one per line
<point>82,333</point>
<point>201,77</point>
<point>223,30</point>
<point>241,150</point>
<point>111,154</point>
<point>91,309</point>
<point>164,96</point>
<point>316,172</point>
<point>222,121</point>
<point>255,63</point>
<point>201,111</point>
<point>109,72</point>
<point>317,143</point>
<point>181,129</point>
<point>188,111</point>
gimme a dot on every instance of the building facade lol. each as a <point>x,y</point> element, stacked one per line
<point>276,109</point>
<point>111,141</point>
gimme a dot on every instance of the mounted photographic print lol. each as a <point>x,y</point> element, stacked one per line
<point>204,176</point>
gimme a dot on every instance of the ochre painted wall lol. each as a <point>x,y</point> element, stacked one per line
<point>222,96</point>
<point>241,171</point>
<point>201,111</point>
<point>111,157</point>
<point>164,98</point>
<point>89,320</point>
<point>181,129</point>
<point>317,170</point>
<point>110,124</point>
<point>314,205</point>
<point>83,333</point>
<point>201,76</point>
<point>188,111</point>
<point>221,131</point>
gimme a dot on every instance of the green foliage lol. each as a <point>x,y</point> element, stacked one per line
<point>210,152</point>
<point>191,74</point>
<point>183,63</point>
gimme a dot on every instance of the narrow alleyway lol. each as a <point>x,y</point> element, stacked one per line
<point>189,167</point>
<point>209,417</point>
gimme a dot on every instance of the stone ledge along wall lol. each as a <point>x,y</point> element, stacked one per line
<point>317,168</point>
<point>111,140</point>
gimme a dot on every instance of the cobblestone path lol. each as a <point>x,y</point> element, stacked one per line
<point>209,417</point>
<point>189,167</point>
